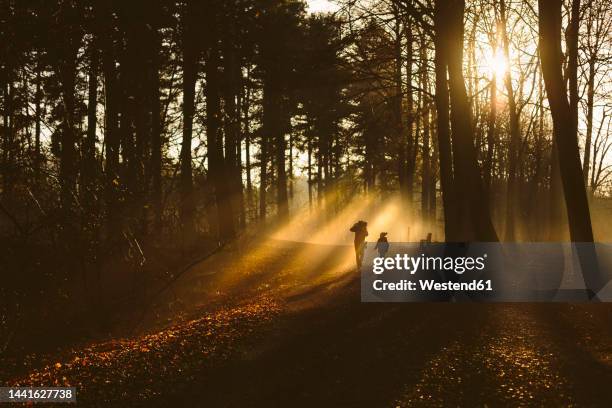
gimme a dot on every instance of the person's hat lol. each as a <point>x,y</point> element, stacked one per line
<point>383,234</point>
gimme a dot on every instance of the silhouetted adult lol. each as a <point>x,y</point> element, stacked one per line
<point>360,229</point>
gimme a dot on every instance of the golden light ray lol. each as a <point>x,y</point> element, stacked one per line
<point>387,218</point>
<point>318,233</point>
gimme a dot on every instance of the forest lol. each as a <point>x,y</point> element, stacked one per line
<point>139,137</point>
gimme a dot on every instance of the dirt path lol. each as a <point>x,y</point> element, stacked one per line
<point>283,325</point>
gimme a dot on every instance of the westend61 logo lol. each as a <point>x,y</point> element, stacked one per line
<point>413,264</point>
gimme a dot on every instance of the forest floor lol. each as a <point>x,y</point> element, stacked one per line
<point>282,324</point>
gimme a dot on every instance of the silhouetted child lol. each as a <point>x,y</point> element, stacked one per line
<point>360,229</point>
<point>382,245</point>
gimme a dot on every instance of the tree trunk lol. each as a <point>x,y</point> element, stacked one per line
<point>512,190</point>
<point>579,217</point>
<point>231,75</point>
<point>111,120</point>
<point>281,179</point>
<point>143,41</point>
<point>425,159</point>
<point>273,131</point>
<point>217,169</point>
<point>156,135</point>
<point>589,118</point>
<point>564,131</point>
<point>7,154</point>
<point>433,204</point>
<point>442,121</point>
<point>66,71</point>
<point>477,221</point>
<point>263,159</point>
<point>397,102</point>
<point>127,79</point>
<point>572,62</point>
<point>37,126</point>
<point>309,172</point>
<point>68,155</point>
<point>491,131</point>
<point>247,139</point>
<point>231,133</point>
<point>190,66</point>
<point>290,165</point>
<point>89,147</point>
<point>411,146</point>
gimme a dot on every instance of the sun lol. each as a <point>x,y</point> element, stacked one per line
<point>496,63</point>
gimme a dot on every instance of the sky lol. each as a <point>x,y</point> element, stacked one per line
<point>315,6</point>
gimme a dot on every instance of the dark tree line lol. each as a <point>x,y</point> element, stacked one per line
<point>135,127</point>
